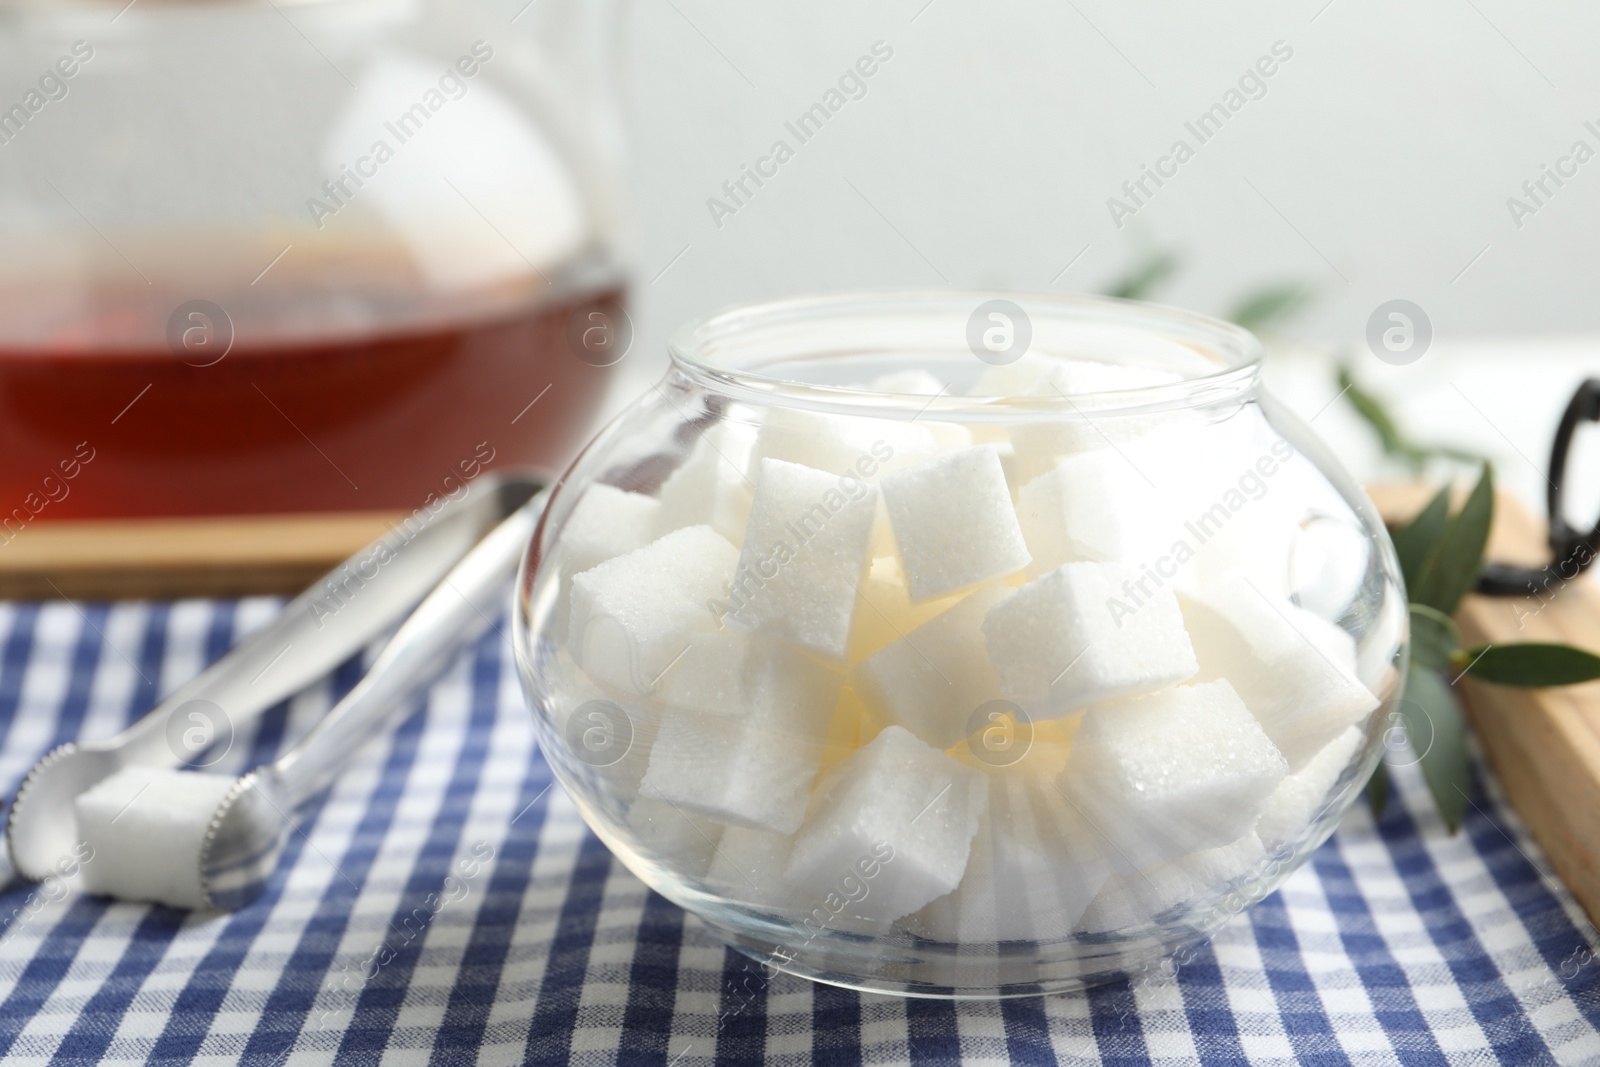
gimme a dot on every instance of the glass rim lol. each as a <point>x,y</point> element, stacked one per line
<point>723,351</point>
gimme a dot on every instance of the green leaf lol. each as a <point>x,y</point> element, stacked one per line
<point>1270,304</point>
<point>1434,637</point>
<point>1394,442</point>
<point>1438,734</point>
<point>1529,665</point>
<point>1412,541</point>
<point>1378,790</point>
<point>1452,564</point>
<point>1371,409</point>
<point>1146,275</point>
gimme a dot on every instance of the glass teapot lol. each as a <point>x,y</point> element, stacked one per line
<point>314,256</point>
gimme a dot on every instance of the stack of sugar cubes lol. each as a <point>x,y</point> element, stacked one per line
<point>818,624</point>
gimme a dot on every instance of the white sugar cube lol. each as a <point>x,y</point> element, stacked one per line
<point>884,611</point>
<point>1008,463</point>
<point>1095,506</point>
<point>1330,638</point>
<point>709,675</point>
<point>1087,633</point>
<point>911,806</point>
<point>804,555</point>
<point>1076,377</point>
<point>1161,776</point>
<point>1035,866</point>
<point>754,680</point>
<point>681,842</point>
<point>711,487</point>
<point>1328,565</point>
<point>748,751</point>
<point>1082,426</point>
<point>1018,378</point>
<point>1134,898</point>
<point>1376,662</point>
<point>748,867</point>
<point>1288,665</point>
<point>953,521</point>
<point>734,772</point>
<point>145,826</point>
<point>1258,544</point>
<point>602,742</point>
<point>605,523</point>
<point>631,615</point>
<point>916,382</point>
<point>1130,346</point>
<point>1300,798</point>
<point>933,678</point>
<point>849,446</point>
<point>1035,375</point>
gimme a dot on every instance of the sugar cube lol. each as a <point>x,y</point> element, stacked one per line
<point>679,841</point>
<point>1008,462</point>
<point>1086,633</point>
<point>933,678</point>
<point>602,741</point>
<point>734,772</point>
<point>1376,661</point>
<point>753,679</point>
<point>1129,346</point>
<point>1258,545</point>
<point>748,867</point>
<point>915,381</point>
<point>145,826</point>
<point>1289,666</point>
<point>953,521</point>
<point>711,486</point>
<point>1007,741</point>
<point>1036,375</point>
<point>1163,775</point>
<point>1328,565</point>
<point>849,446</point>
<point>1133,899</point>
<point>1094,506</point>
<point>1299,799</point>
<point>910,806</point>
<point>884,612</point>
<point>1034,867</point>
<point>1077,377</point>
<point>1040,444</point>
<point>748,735</point>
<point>607,522</point>
<point>631,615</point>
<point>804,554</point>
<point>1015,379</point>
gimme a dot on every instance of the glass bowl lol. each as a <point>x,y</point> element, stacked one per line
<point>960,643</point>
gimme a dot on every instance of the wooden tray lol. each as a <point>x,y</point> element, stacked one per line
<point>1544,744</point>
<point>166,558</point>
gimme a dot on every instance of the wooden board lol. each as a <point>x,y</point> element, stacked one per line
<point>1544,744</point>
<point>165,558</point>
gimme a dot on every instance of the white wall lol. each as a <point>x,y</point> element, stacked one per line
<point>986,148</point>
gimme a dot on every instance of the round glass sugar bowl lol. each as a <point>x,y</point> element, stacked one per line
<point>960,643</point>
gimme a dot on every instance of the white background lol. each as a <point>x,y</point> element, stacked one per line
<point>1377,166</point>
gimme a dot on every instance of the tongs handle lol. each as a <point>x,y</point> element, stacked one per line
<point>1572,550</point>
<point>337,616</point>
<point>457,612</point>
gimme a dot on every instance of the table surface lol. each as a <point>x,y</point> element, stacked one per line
<point>1395,943</point>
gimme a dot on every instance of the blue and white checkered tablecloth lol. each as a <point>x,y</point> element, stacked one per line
<point>447,905</point>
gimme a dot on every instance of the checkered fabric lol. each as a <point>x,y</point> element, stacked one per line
<point>446,905</point>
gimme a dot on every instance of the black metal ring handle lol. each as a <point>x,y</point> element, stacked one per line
<point>1571,551</point>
